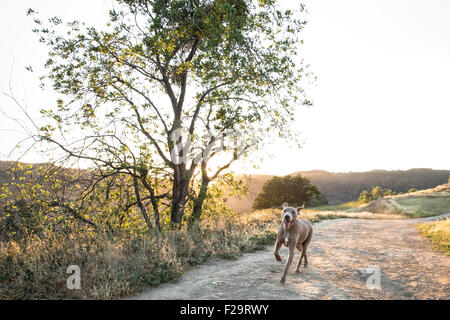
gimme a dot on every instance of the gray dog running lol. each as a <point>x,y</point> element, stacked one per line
<point>293,233</point>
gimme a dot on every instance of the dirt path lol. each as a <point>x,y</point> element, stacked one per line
<point>409,268</point>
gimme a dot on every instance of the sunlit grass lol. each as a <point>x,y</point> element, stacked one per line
<point>424,206</point>
<point>439,234</point>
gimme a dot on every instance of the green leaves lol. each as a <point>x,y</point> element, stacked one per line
<point>295,190</point>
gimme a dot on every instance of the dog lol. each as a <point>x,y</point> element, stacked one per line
<point>293,233</point>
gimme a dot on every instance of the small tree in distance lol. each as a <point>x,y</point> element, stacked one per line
<point>295,190</point>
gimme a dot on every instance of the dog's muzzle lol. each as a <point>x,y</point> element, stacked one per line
<point>287,222</point>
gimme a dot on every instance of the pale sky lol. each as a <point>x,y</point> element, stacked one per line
<point>381,101</point>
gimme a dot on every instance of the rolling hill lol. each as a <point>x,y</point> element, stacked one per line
<point>335,187</point>
<point>346,186</point>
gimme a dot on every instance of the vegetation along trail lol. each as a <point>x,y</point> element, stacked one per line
<point>339,252</point>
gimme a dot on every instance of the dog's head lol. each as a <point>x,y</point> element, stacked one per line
<point>290,214</point>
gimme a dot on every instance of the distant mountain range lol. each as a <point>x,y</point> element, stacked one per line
<point>343,187</point>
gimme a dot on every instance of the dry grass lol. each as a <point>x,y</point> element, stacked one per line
<point>113,267</point>
<point>117,267</point>
<point>439,233</point>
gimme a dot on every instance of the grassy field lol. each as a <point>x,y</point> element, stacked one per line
<point>423,203</point>
<point>117,267</point>
<point>439,233</point>
<point>424,206</point>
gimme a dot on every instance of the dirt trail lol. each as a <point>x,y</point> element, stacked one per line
<point>410,268</point>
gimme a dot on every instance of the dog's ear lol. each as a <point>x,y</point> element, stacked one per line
<point>300,208</point>
<point>284,206</point>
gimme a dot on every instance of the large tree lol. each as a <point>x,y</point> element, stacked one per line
<point>171,93</point>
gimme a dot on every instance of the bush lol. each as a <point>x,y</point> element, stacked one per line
<point>376,193</point>
<point>294,190</point>
<point>365,197</point>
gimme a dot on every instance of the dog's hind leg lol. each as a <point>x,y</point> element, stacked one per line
<point>305,248</point>
<point>306,259</point>
<point>303,255</point>
<point>299,248</point>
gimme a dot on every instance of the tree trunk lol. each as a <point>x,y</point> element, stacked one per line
<point>140,204</point>
<point>156,211</point>
<point>198,203</point>
<point>179,193</point>
<point>154,202</point>
<point>176,212</point>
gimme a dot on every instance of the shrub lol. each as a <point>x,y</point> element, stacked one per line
<point>294,190</point>
<point>376,193</point>
<point>365,197</point>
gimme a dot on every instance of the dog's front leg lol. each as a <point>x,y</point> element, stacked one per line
<point>277,249</point>
<point>288,263</point>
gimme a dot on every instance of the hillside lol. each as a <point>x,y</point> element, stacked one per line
<point>344,187</point>
<point>336,187</point>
